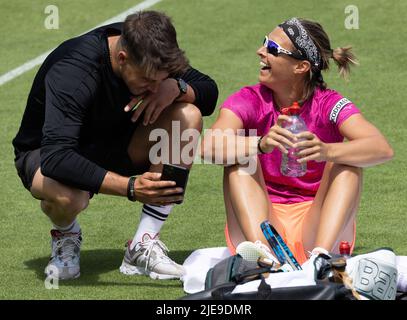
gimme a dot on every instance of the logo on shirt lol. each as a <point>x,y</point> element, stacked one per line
<point>337,108</point>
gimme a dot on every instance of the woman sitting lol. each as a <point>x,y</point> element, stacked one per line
<point>314,212</point>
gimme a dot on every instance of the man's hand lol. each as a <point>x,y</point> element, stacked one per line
<point>155,102</point>
<point>150,190</point>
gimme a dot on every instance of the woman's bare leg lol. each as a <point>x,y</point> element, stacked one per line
<point>247,204</point>
<point>333,211</point>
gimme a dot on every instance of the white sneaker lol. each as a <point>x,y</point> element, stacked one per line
<point>313,262</point>
<point>252,251</point>
<point>374,274</point>
<point>401,262</point>
<point>149,257</point>
<point>65,255</point>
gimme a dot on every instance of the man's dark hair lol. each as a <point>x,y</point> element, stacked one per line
<point>151,41</point>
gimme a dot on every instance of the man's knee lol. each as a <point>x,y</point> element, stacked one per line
<point>188,114</point>
<point>67,203</point>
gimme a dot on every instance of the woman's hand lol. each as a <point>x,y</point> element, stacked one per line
<point>278,137</point>
<point>155,102</point>
<point>311,147</point>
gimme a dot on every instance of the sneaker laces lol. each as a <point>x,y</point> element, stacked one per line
<point>65,247</point>
<point>158,247</point>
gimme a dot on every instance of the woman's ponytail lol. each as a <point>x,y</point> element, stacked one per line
<point>344,58</point>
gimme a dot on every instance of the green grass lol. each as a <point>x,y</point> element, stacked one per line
<point>220,38</point>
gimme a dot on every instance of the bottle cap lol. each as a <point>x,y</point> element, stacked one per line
<point>291,110</point>
<point>344,248</point>
<point>295,108</point>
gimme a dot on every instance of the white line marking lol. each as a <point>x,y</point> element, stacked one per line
<point>40,59</point>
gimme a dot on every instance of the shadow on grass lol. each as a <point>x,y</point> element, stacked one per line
<point>99,261</point>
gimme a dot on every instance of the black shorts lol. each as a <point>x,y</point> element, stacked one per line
<point>27,164</point>
<point>111,159</point>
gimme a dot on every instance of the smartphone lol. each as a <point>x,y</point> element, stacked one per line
<point>175,173</point>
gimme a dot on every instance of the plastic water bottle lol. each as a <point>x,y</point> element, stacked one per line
<point>344,249</point>
<point>290,167</point>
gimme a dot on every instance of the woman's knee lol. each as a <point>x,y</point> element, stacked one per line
<point>347,171</point>
<point>250,169</point>
<point>231,169</point>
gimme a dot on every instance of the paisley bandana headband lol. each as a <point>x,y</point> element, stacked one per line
<point>302,41</point>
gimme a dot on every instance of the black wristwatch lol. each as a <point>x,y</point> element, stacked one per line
<point>182,86</point>
<point>131,193</point>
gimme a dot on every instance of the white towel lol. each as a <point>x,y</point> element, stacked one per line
<point>198,264</point>
<point>304,277</point>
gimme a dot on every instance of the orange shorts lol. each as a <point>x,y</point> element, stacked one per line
<point>291,218</point>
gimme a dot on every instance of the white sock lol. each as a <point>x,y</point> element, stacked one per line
<point>151,221</point>
<point>74,227</point>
